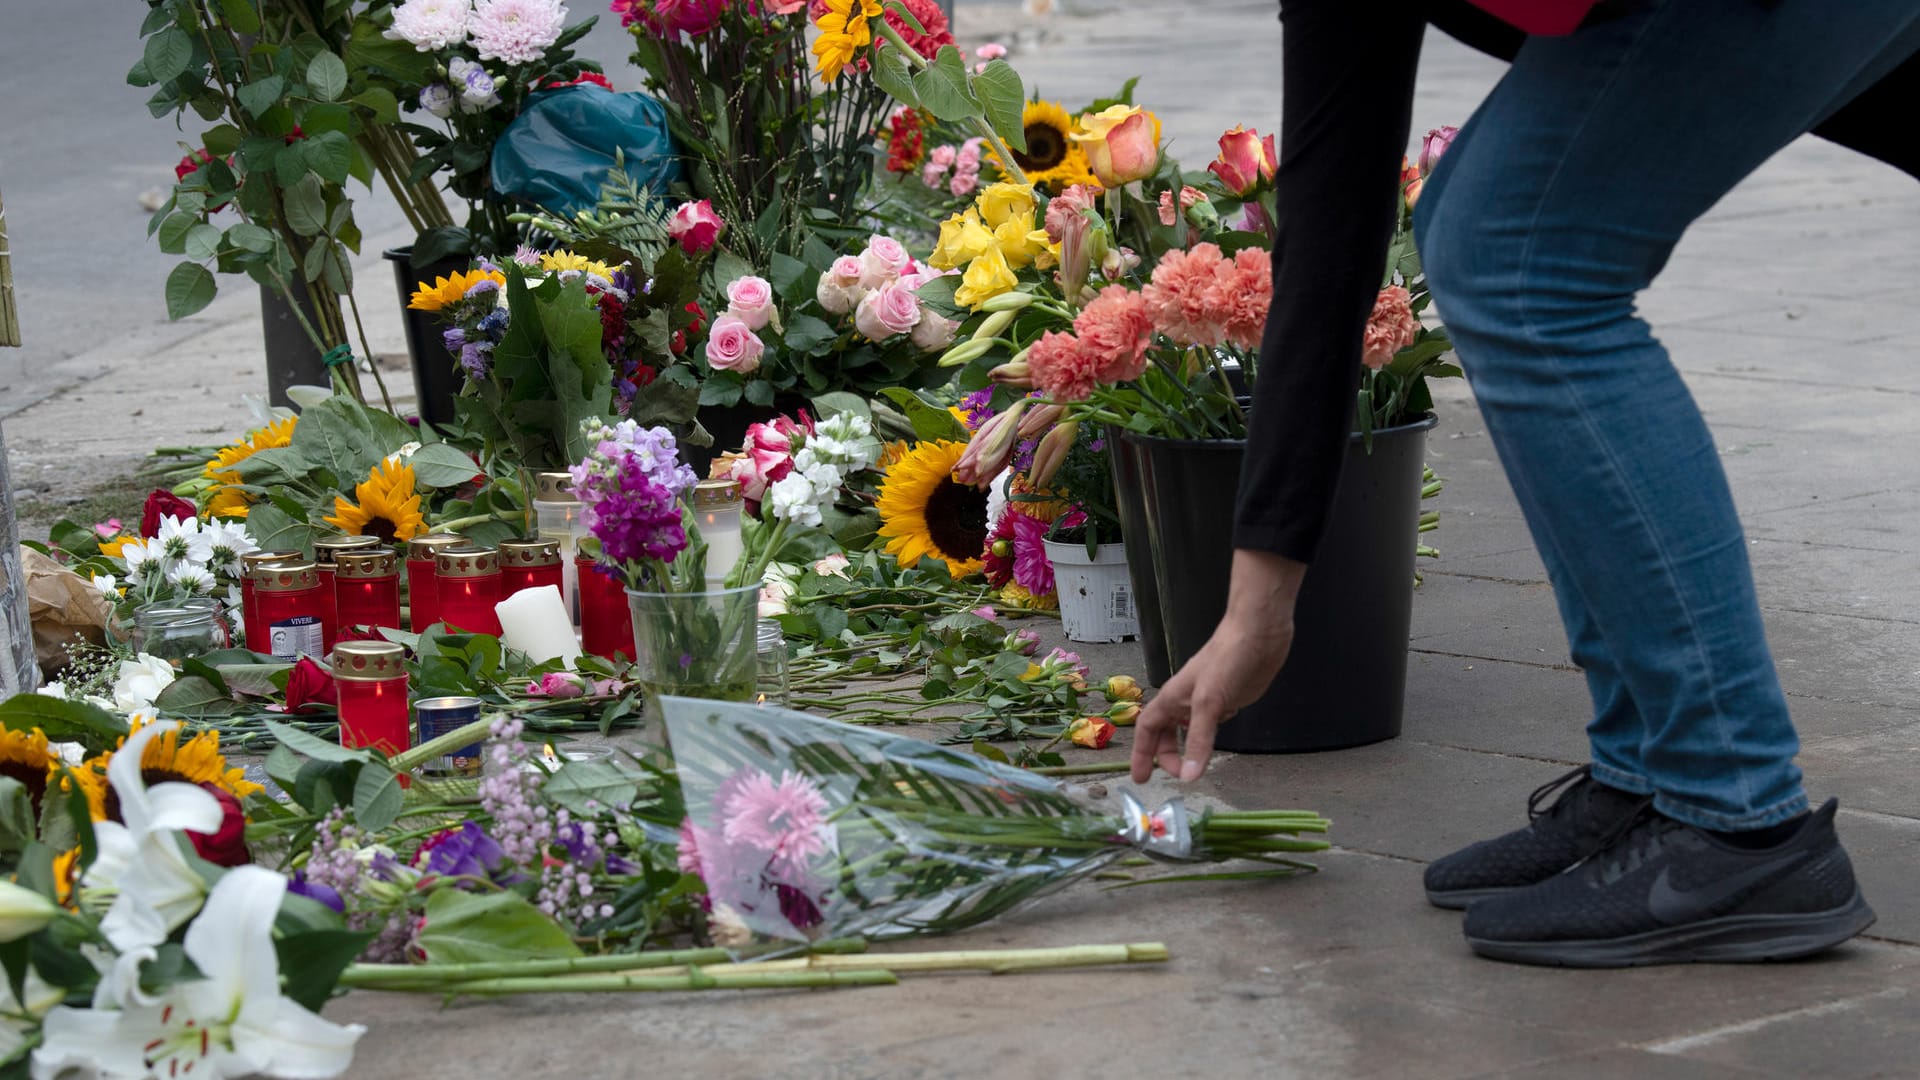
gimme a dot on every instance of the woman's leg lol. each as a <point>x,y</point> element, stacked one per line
<point>1560,202</point>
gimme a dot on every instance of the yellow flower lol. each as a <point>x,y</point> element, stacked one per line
<point>1020,243</point>
<point>112,549</point>
<point>925,512</point>
<point>26,757</point>
<point>194,761</point>
<point>987,277</point>
<point>228,500</point>
<point>1015,595</point>
<point>962,239</point>
<point>1124,714</point>
<point>556,261</point>
<point>1052,160</point>
<point>843,33</point>
<point>1122,688</point>
<point>66,871</point>
<point>451,290</point>
<point>1001,202</point>
<point>388,506</point>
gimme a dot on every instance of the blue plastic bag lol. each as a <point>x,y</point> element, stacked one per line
<point>556,153</point>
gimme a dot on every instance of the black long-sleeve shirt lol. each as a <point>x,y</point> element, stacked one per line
<point>1347,80</point>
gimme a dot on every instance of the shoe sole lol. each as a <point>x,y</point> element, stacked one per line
<point>1459,899</point>
<point>1734,939</point>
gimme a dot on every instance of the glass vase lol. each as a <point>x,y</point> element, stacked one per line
<point>179,629</point>
<point>696,644</point>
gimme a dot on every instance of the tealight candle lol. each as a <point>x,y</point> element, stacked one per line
<point>325,549</point>
<point>529,564</point>
<point>287,604</point>
<point>423,593</point>
<point>467,580</point>
<point>716,510</point>
<point>366,588</point>
<point>249,603</point>
<point>534,621</point>
<point>372,681</point>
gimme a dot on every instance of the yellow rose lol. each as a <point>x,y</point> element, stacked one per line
<point>1122,144</point>
<point>1004,201</point>
<point>1019,242</point>
<point>962,240</point>
<point>987,276</point>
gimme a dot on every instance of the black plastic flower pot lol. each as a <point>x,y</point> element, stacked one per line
<point>1345,680</point>
<point>1131,480</point>
<point>292,358</point>
<point>436,372</point>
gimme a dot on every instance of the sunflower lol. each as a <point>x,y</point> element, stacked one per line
<point>113,548</point>
<point>556,261</point>
<point>66,871</point>
<point>843,33</point>
<point>388,506</point>
<point>1052,159</point>
<point>451,290</point>
<point>196,761</point>
<point>229,500</point>
<point>25,756</point>
<point>925,511</point>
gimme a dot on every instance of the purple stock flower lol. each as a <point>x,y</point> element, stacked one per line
<point>477,359</point>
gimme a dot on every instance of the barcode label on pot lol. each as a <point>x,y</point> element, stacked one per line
<point>1120,603</point>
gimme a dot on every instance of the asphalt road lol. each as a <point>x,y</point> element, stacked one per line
<point>77,149</point>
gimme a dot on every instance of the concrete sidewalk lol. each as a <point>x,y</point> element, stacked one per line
<point>1788,310</point>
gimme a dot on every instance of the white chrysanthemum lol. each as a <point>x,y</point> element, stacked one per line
<point>516,31</point>
<point>182,540</point>
<point>226,541</point>
<point>428,25</point>
<point>144,559</point>
<point>794,500</point>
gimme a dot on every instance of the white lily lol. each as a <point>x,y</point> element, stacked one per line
<point>142,860</point>
<point>22,1014</point>
<point>23,911</point>
<point>141,680</point>
<point>233,1022</point>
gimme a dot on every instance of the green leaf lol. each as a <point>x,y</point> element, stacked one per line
<point>758,392</point>
<point>311,962</point>
<point>190,287</point>
<point>262,94</point>
<point>589,788</point>
<point>305,203</point>
<point>313,746</point>
<point>283,765</point>
<point>17,826</point>
<point>929,422</point>
<point>62,721</point>
<point>944,87</point>
<point>347,438</point>
<point>1005,99</point>
<point>242,17</point>
<point>376,797</point>
<point>792,279</point>
<point>173,232</point>
<point>202,242</point>
<point>805,333</point>
<point>330,153</point>
<point>326,76</point>
<point>167,54</point>
<point>192,697</point>
<point>367,49</point>
<point>893,74</point>
<point>841,401</point>
<point>250,237</point>
<point>276,530</point>
<point>438,465</point>
<point>221,140</point>
<point>379,101</point>
<point>465,928</point>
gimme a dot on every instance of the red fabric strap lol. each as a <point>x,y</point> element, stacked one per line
<point>1548,17</point>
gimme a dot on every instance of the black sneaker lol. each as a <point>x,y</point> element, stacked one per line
<point>1587,815</point>
<point>1668,893</point>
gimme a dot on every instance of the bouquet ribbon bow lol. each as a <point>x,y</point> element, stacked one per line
<point>1164,832</point>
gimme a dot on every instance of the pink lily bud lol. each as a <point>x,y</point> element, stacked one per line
<point>1040,419</point>
<point>991,448</point>
<point>1052,453</point>
<point>1015,374</point>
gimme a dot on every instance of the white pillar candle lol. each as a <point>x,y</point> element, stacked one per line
<point>534,621</point>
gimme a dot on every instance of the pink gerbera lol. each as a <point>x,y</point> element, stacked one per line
<point>785,819</point>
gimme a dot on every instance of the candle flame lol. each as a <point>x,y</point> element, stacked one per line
<point>761,700</point>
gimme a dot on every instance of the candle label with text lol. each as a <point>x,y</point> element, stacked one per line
<point>297,637</point>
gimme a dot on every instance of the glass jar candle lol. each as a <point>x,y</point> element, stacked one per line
<point>528,564</point>
<point>770,661</point>
<point>325,550</point>
<point>249,616</point>
<point>366,588</point>
<point>716,510</point>
<point>372,680</point>
<point>556,516</point>
<point>423,593</point>
<point>287,601</point>
<point>179,629</point>
<point>606,621</point>
<point>468,582</point>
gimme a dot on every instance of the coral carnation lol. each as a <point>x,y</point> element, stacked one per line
<point>1390,328</point>
<point>1242,291</point>
<point>1061,368</point>
<point>1115,329</point>
<point>1180,297</point>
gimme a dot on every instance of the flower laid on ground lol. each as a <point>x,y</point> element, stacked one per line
<point>229,500</point>
<point>163,757</point>
<point>1053,159</point>
<point>925,512</point>
<point>1092,732</point>
<point>310,684</point>
<point>162,503</point>
<point>452,289</point>
<point>385,505</point>
<point>141,680</point>
<point>26,757</point>
<point>1390,328</point>
<point>516,31</point>
<point>786,818</point>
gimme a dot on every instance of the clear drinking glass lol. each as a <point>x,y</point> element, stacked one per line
<point>696,644</point>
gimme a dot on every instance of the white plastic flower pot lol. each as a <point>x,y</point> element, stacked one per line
<point>1096,595</point>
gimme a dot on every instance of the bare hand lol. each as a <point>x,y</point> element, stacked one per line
<point>1230,671</point>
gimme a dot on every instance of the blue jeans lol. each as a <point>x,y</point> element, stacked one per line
<point>1559,201</point>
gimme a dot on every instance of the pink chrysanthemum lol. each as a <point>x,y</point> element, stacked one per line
<point>516,31</point>
<point>1180,296</point>
<point>1115,330</point>
<point>1061,368</point>
<point>428,25</point>
<point>785,819</point>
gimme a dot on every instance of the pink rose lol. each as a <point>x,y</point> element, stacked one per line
<point>759,469</point>
<point>750,299</point>
<point>886,311</point>
<point>883,261</point>
<point>767,437</point>
<point>695,227</point>
<point>558,684</point>
<point>1243,161</point>
<point>934,332</point>
<point>1435,144</point>
<point>733,346</point>
<point>839,287</point>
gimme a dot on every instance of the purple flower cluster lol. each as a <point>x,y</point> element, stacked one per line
<point>475,347</point>
<point>365,884</point>
<point>464,852</point>
<point>629,488</point>
<point>979,407</point>
<point>566,887</point>
<point>522,827</point>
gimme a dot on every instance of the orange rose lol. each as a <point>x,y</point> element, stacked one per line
<point>1092,732</point>
<point>1120,144</point>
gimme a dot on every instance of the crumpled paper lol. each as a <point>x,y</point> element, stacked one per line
<point>63,608</point>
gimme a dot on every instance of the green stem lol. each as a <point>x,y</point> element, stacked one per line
<point>1092,769</point>
<point>978,120</point>
<point>693,979</point>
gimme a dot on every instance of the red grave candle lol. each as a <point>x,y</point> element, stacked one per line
<point>468,582</point>
<point>606,622</point>
<point>325,550</point>
<point>423,591</point>
<point>372,680</point>
<point>529,564</point>
<point>287,606</point>
<point>366,588</point>
<point>249,610</point>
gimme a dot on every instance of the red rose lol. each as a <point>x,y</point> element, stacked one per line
<point>191,164</point>
<point>164,504</point>
<point>228,845</point>
<point>309,684</point>
<point>297,135</point>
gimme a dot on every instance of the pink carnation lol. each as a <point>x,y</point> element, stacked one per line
<point>1064,207</point>
<point>1062,368</point>
<point>1180,297</point>
<point>786,819</point>
<point>1390,328</point>
<point>965,181</point>
<point>1115,330</point>
<point>1242,290</point>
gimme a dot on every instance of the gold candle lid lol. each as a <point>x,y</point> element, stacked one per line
<point>464,562</point>
<point>524,553</point>
<point>355,565</point>
<point>424,547</point>
<point>327,548</point>
<point>253,560</point>
<point>716,494</point>
<point>553,487</point>
<point>285,577</point>
<point>369,660</point>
